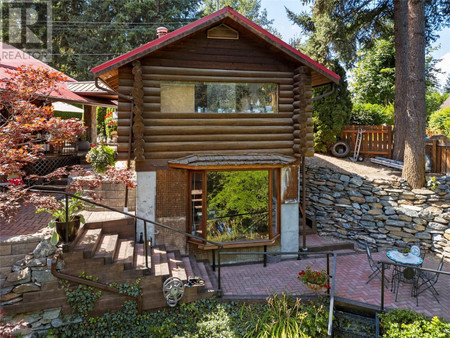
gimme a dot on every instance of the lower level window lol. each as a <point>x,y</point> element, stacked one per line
<point>229,206</point>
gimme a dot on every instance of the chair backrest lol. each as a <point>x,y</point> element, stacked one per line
<point>369,257</point>
<point>435,278</point>
<point>415,250</point>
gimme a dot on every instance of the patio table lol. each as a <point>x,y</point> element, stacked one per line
<point>400,274</point>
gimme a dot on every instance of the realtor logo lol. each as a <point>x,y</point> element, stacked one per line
<point>26,25</point>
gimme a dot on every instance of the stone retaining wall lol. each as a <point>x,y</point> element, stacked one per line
<point>381,213</point>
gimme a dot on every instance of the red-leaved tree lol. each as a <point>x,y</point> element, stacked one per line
<point>27,122</point>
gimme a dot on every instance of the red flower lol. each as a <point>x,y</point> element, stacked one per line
<point>92,145</point>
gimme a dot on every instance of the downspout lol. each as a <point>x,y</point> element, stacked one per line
<point>130,134</point>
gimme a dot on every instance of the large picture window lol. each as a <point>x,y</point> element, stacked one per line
<point>229,206</point>
<point>208,97</point>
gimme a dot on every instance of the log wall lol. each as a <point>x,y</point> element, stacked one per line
<point>167,136</point>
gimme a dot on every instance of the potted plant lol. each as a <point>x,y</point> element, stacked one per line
<point>100,157</point>
<point>58,223</point>
<point>404,251</point>
<point>314,279</point>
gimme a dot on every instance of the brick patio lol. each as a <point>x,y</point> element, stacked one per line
<point>351,276</point>
<point>25,222</point>
<point>255,280</point>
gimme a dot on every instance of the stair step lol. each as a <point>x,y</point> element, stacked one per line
<point>88,242</point>
<point>176,266</point>
<point>161,264</point>
<point>212,276</point>
<point>187,266</point>
<point>204,275</point>
<point>124,253</point>
<point>139,257</point>
<point>107,247</point>
<point>196,272</point>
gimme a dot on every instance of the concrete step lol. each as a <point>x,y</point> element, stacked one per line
<point>88,242</point>
<point>107,247</point>
<point>194,266</point>
<point>212,276</point>
<point>187,266</point>
<point>124,253</point>
<point>176,266</point>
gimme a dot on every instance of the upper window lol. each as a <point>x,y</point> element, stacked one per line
<point>208,97</point>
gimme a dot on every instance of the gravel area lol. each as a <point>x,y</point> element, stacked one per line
<point>345,166</point>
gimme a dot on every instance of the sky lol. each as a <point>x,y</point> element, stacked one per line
<point>276,10</point>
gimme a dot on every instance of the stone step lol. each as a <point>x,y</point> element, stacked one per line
<point>194,266</point>
<point>161,263</point>
<point>176,266</point>
<point>139,257</point>
<point>88,242</point>
<point>124,253</point>
<point>107,247</point>
<point>8,261</point>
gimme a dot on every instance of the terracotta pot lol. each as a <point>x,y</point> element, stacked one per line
<point>315,287</point>
<point>73,227</point>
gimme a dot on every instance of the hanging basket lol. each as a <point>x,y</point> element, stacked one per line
<point>315,287</point>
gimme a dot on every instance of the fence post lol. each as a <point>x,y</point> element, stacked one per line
<point>219,279</point>
<point>214,259</point>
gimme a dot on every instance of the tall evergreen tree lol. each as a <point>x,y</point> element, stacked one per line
<point>88,33</point>
<point>447,84</point>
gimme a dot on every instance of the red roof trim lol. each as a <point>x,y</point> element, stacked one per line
<point>194,24</point>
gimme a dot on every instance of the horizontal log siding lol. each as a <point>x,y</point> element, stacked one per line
<point>124,111</point>
<point>173,135</point>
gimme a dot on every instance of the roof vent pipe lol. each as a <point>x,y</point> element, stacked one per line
<point>161,31</point>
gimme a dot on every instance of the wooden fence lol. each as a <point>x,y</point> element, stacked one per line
<point>376,140</point>
<point>439,151</point>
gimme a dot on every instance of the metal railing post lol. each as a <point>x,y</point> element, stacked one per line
<point>328,270</point>
<point>265,256</point>
<point>214,259</point>
<point>67,218</point>
<point>219,279</point>
<point>382,286</point>
<point>146,245</point>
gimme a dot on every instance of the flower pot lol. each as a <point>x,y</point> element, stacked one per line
<point>315,287</point>
<point>73,227</point>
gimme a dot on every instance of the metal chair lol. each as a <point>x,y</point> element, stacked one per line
<point>375,267</point>
<point>415,250</point>
<point>428,280</point>
<point>406,275</point>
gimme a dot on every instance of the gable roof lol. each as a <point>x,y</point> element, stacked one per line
<point>226,12</point>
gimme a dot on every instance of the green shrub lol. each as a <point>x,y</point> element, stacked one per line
<point>100,157</point>
<point>406,323</point>
<point>369,114</point>
<point>440,122</point>
<point>68,115</point>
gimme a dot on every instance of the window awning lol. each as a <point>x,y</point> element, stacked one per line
<point>244,161</point>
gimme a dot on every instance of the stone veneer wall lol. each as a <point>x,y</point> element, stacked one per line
<point>378,212</point>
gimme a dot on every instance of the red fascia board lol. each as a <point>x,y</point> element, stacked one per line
<point>194,24</point>
<point>284,44</point>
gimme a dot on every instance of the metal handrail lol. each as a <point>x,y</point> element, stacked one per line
<point>299,253</point>
<point>383,268</point>
<point>67,195</point>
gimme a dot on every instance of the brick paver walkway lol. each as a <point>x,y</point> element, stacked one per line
<point>351,276</point>
<point>24,223</point>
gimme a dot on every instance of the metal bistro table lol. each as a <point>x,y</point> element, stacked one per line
<point>404,274</point>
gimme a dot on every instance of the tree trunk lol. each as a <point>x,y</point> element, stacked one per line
<point>401,77</point>
<point>414,159</point>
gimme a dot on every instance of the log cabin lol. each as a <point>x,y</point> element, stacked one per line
<point>217,117</point>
